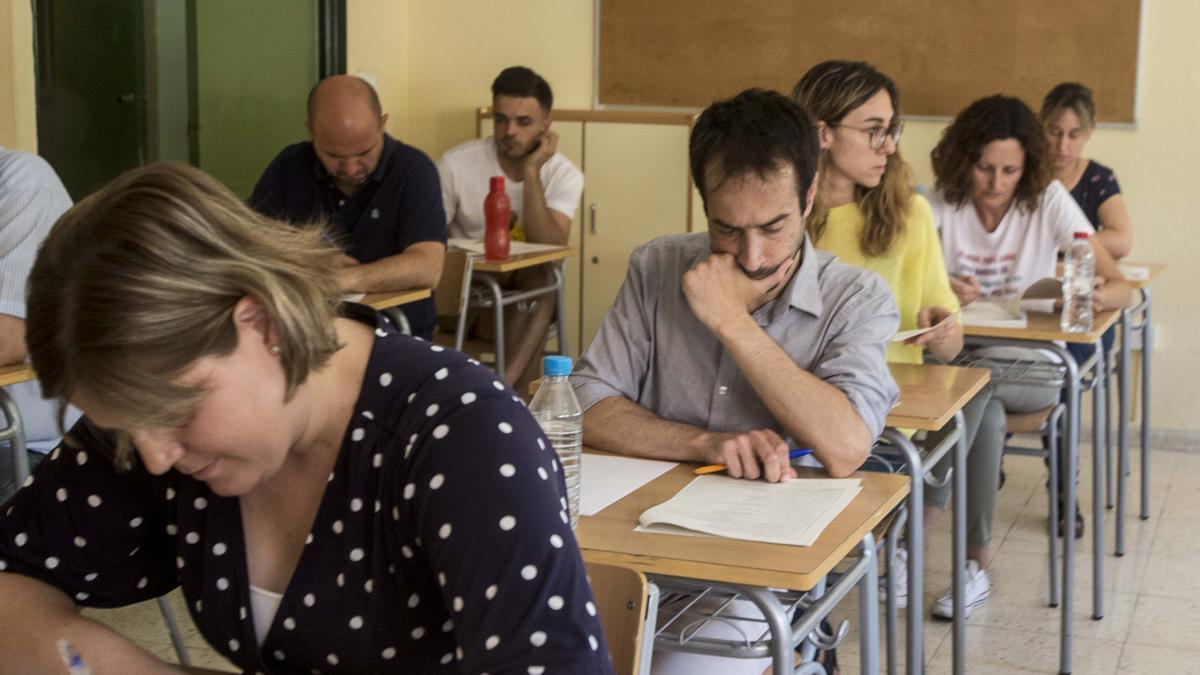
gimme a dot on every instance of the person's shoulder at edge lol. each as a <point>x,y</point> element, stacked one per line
<point>665,253</point>
<point>25,169</point>
<point>467,151</point>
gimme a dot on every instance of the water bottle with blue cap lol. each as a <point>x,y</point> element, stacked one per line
<point>557,410</point>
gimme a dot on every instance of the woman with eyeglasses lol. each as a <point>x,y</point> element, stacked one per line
<point>869,216</point>
<point>1069,115</point>
<point>1003,218</point>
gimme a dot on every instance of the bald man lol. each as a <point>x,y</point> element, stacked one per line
<point>381,198</point>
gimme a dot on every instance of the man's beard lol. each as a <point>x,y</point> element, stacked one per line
<point>764,272</point>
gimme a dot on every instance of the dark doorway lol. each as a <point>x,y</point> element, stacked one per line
<point>217,83</point>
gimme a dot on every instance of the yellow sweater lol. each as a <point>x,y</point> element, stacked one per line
<point>913,268</point>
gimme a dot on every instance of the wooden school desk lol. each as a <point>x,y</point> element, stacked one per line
<point>1041,332</point>
<point>478,270</point>
<point>751,568</point>
<point>388,303</point>
<point>931,396</point>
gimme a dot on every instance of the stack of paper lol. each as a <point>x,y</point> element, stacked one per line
<point>794,512</point>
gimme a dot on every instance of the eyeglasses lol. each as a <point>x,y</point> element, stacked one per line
<point>878,134</point>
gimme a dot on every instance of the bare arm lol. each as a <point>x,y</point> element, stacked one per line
<point>722,297</point>
<point>1116,291</point>
<point>619,425</point>
<point>419,266</point>
<point>37,615</point>
<point>12,339</point>
<point>1117,232</point>
<point>543,225</point>
<point>826,422</point>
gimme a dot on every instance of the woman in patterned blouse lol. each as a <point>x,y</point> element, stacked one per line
<point>1069,114</point>
<point>331,496</point>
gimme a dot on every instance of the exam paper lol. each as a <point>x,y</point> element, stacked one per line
<point>994,313</point>
<point>604,479</point>
<point>1134,272</point>
<point>903,335</point>
<point>794,512</point>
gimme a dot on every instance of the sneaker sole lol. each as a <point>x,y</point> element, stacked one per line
<point>948,614</point>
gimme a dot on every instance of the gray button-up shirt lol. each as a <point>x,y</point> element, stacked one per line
<point>833,319</point>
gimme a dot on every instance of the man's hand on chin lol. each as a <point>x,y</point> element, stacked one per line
<point>718,290</point>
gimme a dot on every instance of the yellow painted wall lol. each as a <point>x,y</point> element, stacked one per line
<point>436,59</point>
<point>18,117</point>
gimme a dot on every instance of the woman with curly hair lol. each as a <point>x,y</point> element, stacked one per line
<point>1003,218</point>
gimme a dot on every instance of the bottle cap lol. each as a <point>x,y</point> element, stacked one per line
<point>556,366</point>
<point>496,183</point>
<point>1077,235</point>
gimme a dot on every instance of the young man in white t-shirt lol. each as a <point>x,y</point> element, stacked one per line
<point>544,188</point>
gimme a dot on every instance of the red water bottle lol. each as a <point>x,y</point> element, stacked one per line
<point>496,212</point>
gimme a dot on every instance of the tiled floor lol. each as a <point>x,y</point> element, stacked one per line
<point>1152,618</point>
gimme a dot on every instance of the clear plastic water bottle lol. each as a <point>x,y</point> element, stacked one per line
<point>557,410</point>
<point>1079,266</point>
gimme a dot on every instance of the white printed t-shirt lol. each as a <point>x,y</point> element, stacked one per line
<point>1021,250</point>
<point>465,170</point>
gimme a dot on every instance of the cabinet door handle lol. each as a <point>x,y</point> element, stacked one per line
<point>592,217</point>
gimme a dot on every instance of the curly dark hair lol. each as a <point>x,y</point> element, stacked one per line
<point>995,118</point>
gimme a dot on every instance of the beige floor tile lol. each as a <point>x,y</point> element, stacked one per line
<point>993,649</point>
<point>1177,537</point>
<point>1026,607</point>
<point>1137,659</point>
<point>1165,622</point>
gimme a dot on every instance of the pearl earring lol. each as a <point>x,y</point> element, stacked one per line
<point>275,350</point>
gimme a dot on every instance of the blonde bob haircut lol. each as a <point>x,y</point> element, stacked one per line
<point>829,91</point>
<point>139,280</point>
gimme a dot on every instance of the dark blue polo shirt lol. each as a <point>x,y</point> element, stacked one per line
<point>399,205</point>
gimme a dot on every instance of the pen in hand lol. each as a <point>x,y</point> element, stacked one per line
<point>71,659</point>
<point>714,468</point>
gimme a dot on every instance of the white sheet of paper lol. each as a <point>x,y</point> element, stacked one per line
<point>906,334</point>
<point>984,312</point>
<point>793,513</point>
<point>514,247</point>
<point>604,479</point>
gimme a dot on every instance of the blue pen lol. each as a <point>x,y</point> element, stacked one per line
<point>795,453</point>
<point>72,660</point>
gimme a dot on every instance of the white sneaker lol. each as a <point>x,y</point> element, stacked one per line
<point>898,570</point>
<point>975,591</point>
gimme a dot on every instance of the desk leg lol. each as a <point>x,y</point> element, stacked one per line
<point>916,549</point>
<point>1071,447</point>
<point>889,550</point>
<point>1099,375</point>
<point>1122,431</point>
<point>960,542</point>
<point>14,433</point>
<point>1147,343</point>
<point>868,610</point>
<point>560,308</point>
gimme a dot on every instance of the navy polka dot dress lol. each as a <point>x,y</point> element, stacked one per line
<point>442,543</point>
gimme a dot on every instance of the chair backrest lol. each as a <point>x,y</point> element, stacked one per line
<point>451,288</point>
<point>621,594</point>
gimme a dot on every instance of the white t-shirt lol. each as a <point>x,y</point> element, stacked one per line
<point>465,170</point>
<point>1021,250</point>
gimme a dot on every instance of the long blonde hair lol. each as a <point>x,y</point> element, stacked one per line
<point>139,280</point>
<point>830,91</point>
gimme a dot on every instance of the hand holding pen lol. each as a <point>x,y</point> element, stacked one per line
<point>714,468</point>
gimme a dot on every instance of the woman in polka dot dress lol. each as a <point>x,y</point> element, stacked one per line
<point>331,496</point>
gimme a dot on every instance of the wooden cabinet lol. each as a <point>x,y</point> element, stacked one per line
<point>636,187</point>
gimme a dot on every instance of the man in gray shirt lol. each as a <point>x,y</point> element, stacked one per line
<point>730,346</point>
